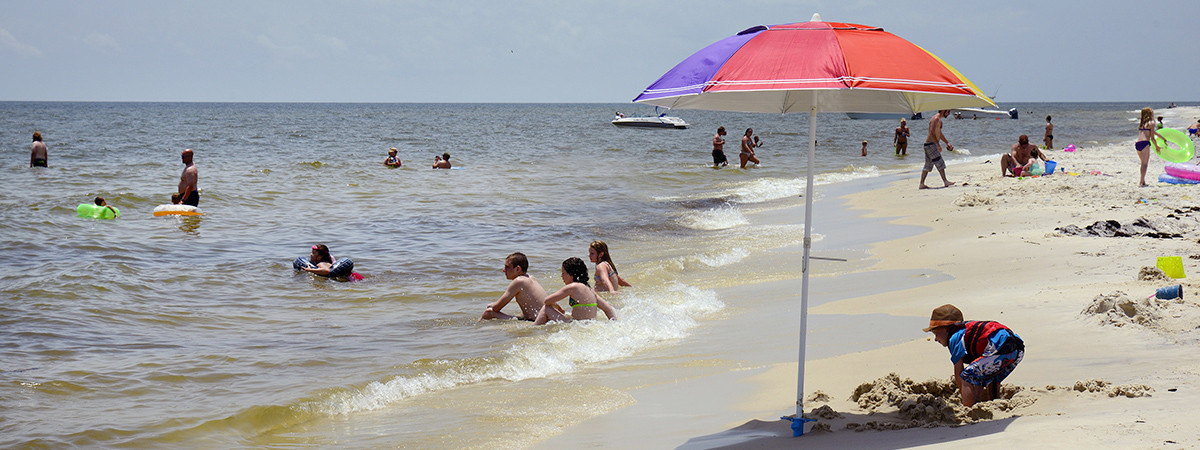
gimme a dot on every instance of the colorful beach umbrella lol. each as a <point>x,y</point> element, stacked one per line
<point>813,67</point>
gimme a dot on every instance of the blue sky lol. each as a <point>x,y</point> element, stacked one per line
<point>534,51</point>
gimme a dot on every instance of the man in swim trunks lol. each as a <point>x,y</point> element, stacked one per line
<point>1194,129</point>
<point>442,162</point>
<point>901,139</point>
<point>933,150</point>
<point>1020,160</point>
<point>38,156</point>
<point>188,193</point>
<point>718,152</point>
<point>529,293</point>
<point>984,353</point>
<point>1049,139</point>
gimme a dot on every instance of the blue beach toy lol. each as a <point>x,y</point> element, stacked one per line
<point>797,424</point>
<point>1169,292</point>
<point>1050,167</point>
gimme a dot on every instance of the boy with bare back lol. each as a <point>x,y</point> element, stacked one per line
<point>529,294</point>
<point>933,150</point>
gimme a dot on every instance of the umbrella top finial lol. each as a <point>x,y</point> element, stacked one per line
<point>816,17</point>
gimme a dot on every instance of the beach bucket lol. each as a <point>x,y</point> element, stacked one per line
<point>1050,167</point>
<point>1172,266</point>
<point>1170,292</point>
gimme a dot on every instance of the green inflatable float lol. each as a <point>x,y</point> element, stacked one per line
<point>1182,152</point>
<point>90,211</point>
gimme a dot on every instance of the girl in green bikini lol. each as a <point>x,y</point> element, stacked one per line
<point>582,298</point>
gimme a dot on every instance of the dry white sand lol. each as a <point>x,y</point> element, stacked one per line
<point>1104,365</point>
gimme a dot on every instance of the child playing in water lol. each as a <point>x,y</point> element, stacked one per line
<point>984,353</point>
<point>392,160</point>
<point>607,278</point>
<point>101,202</point>
<point>583,299</point>
<point>523,287</point>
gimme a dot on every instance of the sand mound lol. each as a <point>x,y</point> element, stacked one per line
<point>1118,309</point>
<point>901,403</point>
<point>818,396</point>
<point>928,404</point>
<point>970,200</point>
<point>1109,389</point>
<point>1149,273</point>
<point>1176,319</point>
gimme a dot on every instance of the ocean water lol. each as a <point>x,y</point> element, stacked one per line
<point>153,331</point>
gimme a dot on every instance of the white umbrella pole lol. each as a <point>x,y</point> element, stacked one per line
<point>808,203</point>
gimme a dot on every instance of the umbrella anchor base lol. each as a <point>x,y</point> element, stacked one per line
<point>797,424</point>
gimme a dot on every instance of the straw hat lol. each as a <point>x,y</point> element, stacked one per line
<point>944,315</point>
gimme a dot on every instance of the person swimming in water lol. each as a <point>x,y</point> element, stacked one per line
<point>583,299</point>
<point>607,278</point>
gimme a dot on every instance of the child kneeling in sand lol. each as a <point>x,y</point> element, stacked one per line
<point>983,352</point>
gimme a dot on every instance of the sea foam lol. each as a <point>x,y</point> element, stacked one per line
<point>647,318</point>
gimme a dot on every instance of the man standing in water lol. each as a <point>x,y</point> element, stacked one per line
<point>38,156</point>
<point>188,193</point>
<point>1049,139</point>
<point>718,152</point>
<point>933,150</point>
<point>529,293</point>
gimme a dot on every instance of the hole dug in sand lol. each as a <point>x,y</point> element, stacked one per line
<point>927,404</point>
<point>896,404</point>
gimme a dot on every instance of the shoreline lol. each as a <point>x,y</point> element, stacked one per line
<point>995,241</point>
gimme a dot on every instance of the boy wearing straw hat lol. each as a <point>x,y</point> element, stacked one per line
<point>983,352</point>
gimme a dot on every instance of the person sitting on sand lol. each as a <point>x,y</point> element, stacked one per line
<point>392,160</point>
<point>1192,130</point>
<point>984,353</point>
<point>529,293</point>
<point>1020,160</point>
<point>442,162</point>
<point>583,299</point>
<point>607,279</point>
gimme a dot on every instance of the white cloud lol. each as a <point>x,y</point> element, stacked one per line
<point>331,43</point>
<point>10,43</point>
<point>101,42</point>
<point>281,51</point>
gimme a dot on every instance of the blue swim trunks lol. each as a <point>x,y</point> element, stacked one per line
<point>992,368</point>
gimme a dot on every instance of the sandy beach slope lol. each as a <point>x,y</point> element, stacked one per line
<point>1104,365</point>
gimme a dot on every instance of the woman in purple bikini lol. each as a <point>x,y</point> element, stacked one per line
<point>1147,129</point>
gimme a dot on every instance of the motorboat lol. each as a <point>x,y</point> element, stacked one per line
<point>659,121</point>
<point>967,113</point>
<point>662,121</point>
<point>883,116</point>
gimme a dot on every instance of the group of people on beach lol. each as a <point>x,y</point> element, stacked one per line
<point>439,161</point>
<point>749,143</point>
<point>540,308</point>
